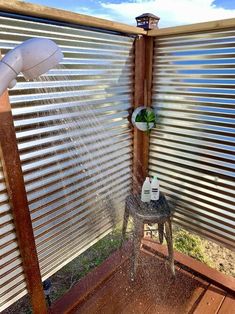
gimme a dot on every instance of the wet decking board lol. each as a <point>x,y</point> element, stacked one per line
<point>184,281</point>
<point>152,276</point>
<point>167,296</point>
<point>119,296</point>
<point>107,292</point>
<point>197,296</point>
<point>208,273</point>
<point>153,290</point>
<point>93,281</point>
<point>211,301</point>
<point>228,306</point>
<point>141,297</point>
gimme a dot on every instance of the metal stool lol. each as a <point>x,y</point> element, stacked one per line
<point>148,213</point>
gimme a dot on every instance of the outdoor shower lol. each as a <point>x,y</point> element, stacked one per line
<point>33,58</point>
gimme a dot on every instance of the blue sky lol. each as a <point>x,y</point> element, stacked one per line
<point>171,12</point>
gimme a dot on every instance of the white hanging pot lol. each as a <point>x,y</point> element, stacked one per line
<point>143,126</point>
<point>143,118</point>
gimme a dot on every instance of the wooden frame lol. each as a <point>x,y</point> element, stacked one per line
<point>140,139</point>
<point>193,28</point>
<point>142,97</point>
<point>40,11</point>
<point>29,9</point>
<point>22,221</point>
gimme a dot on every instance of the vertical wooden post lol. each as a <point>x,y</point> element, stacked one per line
<point>19,204</point>
<point>142,96</point>
<point>149,68</point>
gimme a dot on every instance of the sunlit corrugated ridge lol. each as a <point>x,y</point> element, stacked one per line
<point>193,148</point>
<point>75,146</point>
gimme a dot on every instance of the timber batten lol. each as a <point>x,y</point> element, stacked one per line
<point>36,10</point>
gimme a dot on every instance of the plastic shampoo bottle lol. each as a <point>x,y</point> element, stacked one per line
<point>145,193</point>
<point>155,189</point>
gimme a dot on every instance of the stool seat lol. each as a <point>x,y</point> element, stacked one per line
<point>157,212</point>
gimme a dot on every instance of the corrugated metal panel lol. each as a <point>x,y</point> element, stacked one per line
<point>74,139</point>
<point>12,281</point>
<point>193,150</point>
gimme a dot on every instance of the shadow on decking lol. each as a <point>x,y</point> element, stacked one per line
<point>109,289</point>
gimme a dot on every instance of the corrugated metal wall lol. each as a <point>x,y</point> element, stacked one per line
<point>12,280</point>
<point>193,149</point>
<point>75,145</point>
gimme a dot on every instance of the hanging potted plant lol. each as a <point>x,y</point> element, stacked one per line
<point>144,118</point>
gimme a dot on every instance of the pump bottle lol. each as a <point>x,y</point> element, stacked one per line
<point>145,193</point>
<point>155,189</point>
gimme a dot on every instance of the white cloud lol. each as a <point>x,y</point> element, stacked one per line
<point>171,12</point>
<point>93,12</point>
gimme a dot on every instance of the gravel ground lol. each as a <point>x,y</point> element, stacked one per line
<point>223,259</point>
<point>216,256</point>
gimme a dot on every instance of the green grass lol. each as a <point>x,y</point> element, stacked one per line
<point>191,245</point>
<point>64,279</point>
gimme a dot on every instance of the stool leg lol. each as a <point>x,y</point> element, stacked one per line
<point>124,226</point>
<point>138,235</point>
<point>160,232</point>
<point>170,245</point>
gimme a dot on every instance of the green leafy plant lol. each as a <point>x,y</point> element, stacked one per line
<point>147,116</point>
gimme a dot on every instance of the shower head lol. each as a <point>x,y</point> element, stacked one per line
<point>33,58</point>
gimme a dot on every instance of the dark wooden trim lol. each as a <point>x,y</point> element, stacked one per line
<point>19,204</point>
<point>201,270</point>
<point>91,282</point>
<point>142,97</point>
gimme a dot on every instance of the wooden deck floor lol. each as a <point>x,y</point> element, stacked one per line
<point>153,291</point>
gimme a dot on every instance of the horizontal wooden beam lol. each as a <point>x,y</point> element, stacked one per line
<point>192,28</point>
<point>35,10</point>
<point>29,9</point>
